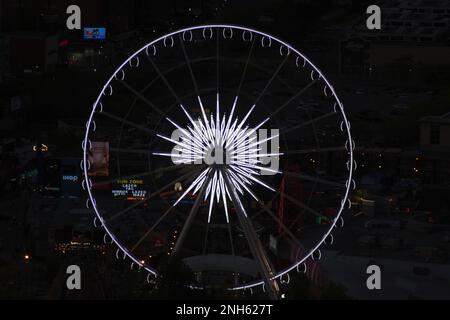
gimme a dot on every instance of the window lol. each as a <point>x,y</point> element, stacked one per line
<point>435,134</point>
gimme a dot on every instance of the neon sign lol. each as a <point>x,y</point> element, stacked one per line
<point>132,189</point>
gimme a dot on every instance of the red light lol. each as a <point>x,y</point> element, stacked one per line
<point>63,43</point>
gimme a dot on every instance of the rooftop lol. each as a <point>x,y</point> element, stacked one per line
<point>444,119</point>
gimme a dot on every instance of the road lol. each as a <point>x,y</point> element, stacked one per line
<point>398,281</point>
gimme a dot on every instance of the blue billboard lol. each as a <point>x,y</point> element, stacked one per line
<point>94,33</point>
<point>71,177</point>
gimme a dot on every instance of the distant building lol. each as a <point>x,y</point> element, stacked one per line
<point>355,56</point>
<point>121,15</point>
<point>45,16</point>
<point>4,56</point>
<point>411,21</point>
<point>414,36</point>
<point>410,57</point>
<point>435,133</point>
<point>435,147</point>
<point>32,52</point>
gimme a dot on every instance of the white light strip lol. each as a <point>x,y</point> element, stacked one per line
<point>232,135</point>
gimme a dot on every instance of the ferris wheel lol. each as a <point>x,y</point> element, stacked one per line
<point>224,146</point>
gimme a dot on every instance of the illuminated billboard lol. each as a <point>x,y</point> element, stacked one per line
<point>94,34</point>
<point>98,157</point>
<point>131,189</point>
<point>70,177</point>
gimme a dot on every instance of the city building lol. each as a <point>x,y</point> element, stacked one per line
<point>435,147</point>
<point>414,35</point>
<point>411,21</point>
<point>435,133</point>
<point>4,56</point>
<point>32,52</point>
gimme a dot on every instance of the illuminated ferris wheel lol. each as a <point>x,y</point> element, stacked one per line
<point>224,146</point>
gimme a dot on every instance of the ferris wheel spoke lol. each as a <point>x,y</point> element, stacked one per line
<point>297,218</point>
<point>275,73</point>
<point>217,61</point>
<point>133,151</point>
<point>303,206</point>
<point>257,214</point>
<point>123,211</point>
<point>147,233</point>
<point>233,253</point>
<point>306,203</point>
<point>279,222</point>
<point>164,79</point>
<point>309,122</point>
<point>230,235</point>
<point>315,150</point>
<point>245,173</point>
<point>315,179</point>
<point>128,122</point>
<point>188,63</point>
<point>195,185</point>
<point>205,241</point>
<point>244,72</point>
<point>295,96</point>
<point>140,96</point>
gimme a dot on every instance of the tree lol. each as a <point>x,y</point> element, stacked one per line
<point>174,281</point>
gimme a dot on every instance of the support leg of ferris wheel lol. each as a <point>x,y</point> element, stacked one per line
<point>264,265</point>
<point>192,214</point>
